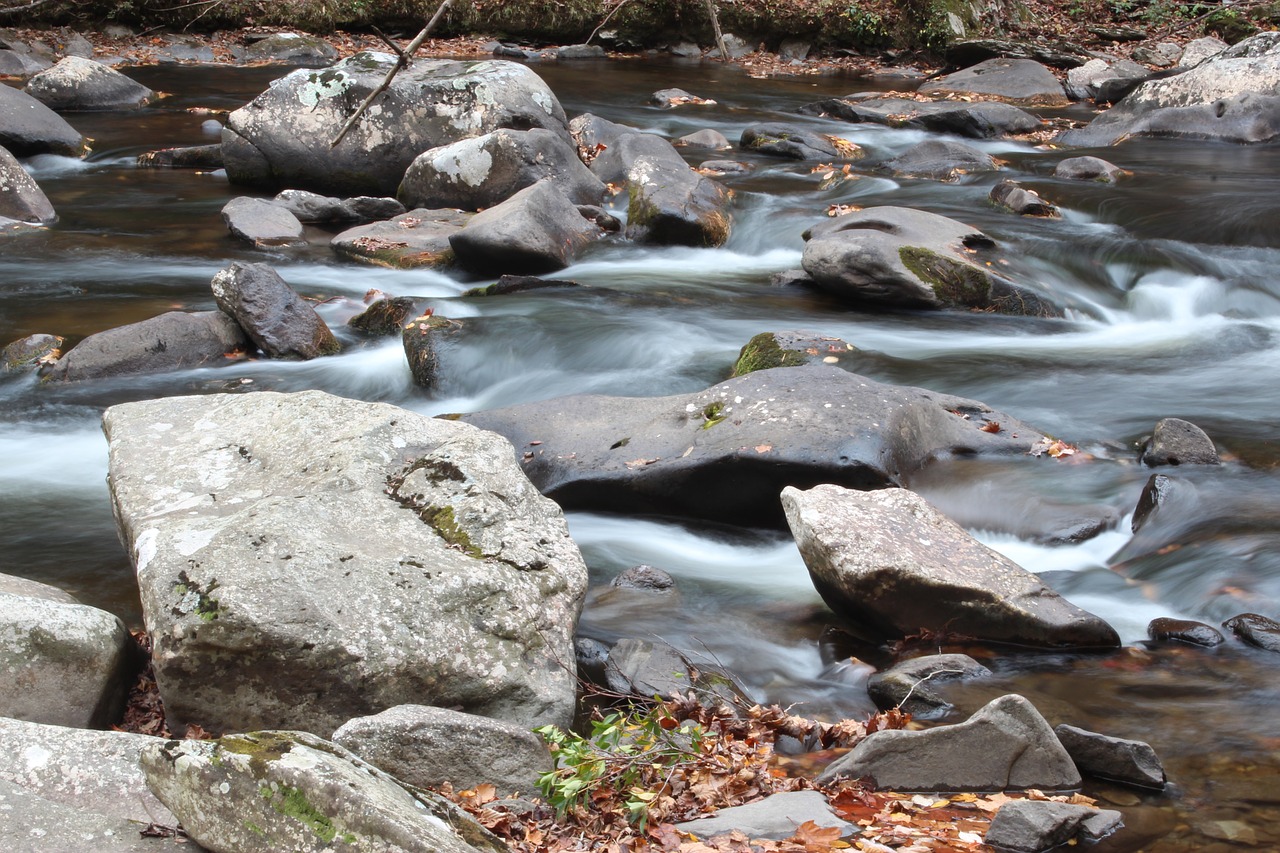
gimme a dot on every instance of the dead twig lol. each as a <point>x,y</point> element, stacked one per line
<point>715,25</point>
<point>12,10</point>
<point>391,43</point>
<point>612,12</point>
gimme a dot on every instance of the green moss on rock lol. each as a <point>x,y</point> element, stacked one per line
<point>763,352</point>
<point>953,282</point>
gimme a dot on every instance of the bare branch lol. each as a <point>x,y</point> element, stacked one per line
<point>10,10</point>
<point>612,12</point>
<point>715,25</point>
<point>391,43</point>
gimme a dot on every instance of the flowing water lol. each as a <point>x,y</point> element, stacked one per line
<point>1174,306</point>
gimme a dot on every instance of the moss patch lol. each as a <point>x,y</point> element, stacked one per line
<point>763,352</point>
<point>953,282</point>
<point>712,414</point>
<point>445,524</point>
<point>197,599</point>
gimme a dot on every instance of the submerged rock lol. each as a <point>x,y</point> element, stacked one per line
<point>981,120</point>
<point>798,143</point>
<point>169,342</point>
<point>79,84</point>
<point>1088,169</point>
<point>30,352</point>
<point>912,685</point>
<point>1021,201</point>
<point>279,321</point>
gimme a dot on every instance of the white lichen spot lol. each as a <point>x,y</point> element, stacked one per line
<point>36,757</point>
<point>144,548</point>
<point>322,87</point>
<point>465,161</point>
<point>398,442</point>
<point>224,788</point>
<point>544,100</point>
<point>162,427</point>
<point>190,541</point>
<point>302,759</point>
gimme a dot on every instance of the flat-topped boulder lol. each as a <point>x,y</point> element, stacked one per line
<point>977,120</point>
<point>725,453</point>
<point>78,84</point>
<point>172,341</point>
<point>417,238</point>
<point>262,223</point>
<point>941,160</point>
<point>1019,81</point>
<point>305,559</point>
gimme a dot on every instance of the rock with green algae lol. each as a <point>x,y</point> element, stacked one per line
<point>282,790</point>
<point>789,349</point>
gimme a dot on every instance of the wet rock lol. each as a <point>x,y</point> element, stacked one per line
<point>1085,83</point>
<point>1021,201</point>
<point>1160,55</point>
<point>912,685</point>
<point>70,664</point>
<point>1198,50</point>
<point>293,791</point>
<point>14,63</point>
<point>1158,493</point>
<point>478,173</point>
<point>590,131</point>
<point>425,746</point>
<point>1256,630</point>
<point>1006,745</point>
<point>890,563</point>
<point>169,342</point>
<point>791,278</point>
<point>580,51</point>
<point>1178,442</point>
<point>798,143</point>
<point>390,557</point>
<point>280,322</point>
<point>419,338</point>
<point>1129,762</point>
<point>772,428</point>
<point>30,352</point>
<point>591,655</point>
<point>190,157</point>
<point>536,230</point>
<point>789,349</point>
<point>668,98</point>
<point>21,198</point>
<point>644,669</point>
<point>774,817</point>
<point>1229,97</point>
<point>713,139</point>
<point>1020,81</point>
<point>941,160</point>
<point>613,165</point>
<point>28,127</point>
<point>1031,826</point>
<point>419,238</point>
<point>508,284</point>
<point>313,207</point>
<point>78,84</point>
<point>1088,169</point>
<point>282,137</point>
<point>385,317</point>
<point>1166,630</point>
<point>305,50</point>
<point>33,824</point>
<point>904,258</point>
<point>723,167</point>
<point>644,577</point>
<point>262,223</point>
<point>674,205</point>
<point>980,120</point>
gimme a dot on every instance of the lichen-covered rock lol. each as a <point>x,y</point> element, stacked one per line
<point>169,342</point>
<point>20,196</point>
<point>67,664</point>
<point>1019,81</point>
<point>426,746</point>
<point>418,238</point>
<point>279,790</point>
<point>28,127</point>
<point>279,321</point>
<point>941,160</point>
<point>980,120</point>
<point>262,223</point>
<point>891,564</point>
<point>900,257</point>
<point>301,49</point>
<point>305,559</point>
<point>1006,745</point>
<point>537,230</point>
<point>1178,442</point>
<point>33,824</point>
<point>477,173</point>
<point>282,137</point>
<point>78,84</point>
<point>798,143</point>
<point>30,352</point>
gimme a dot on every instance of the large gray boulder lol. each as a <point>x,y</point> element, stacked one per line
<point>78,84</point>
<point>941,160</point>
<point>28,127</point>
<point>279,321</point>
<point>1006,745</point>
<point>67,664</point>
<point>14,63</point>
<point>426,746</point>
<point>978,120</point>
<point>282,137</point>
<point>281,790</point>
<point>1233,96</point>
<point>476,173</point>
<point>537,230</point>
<point>20,196</point>
<point>169,342</point>
<point>892,564</point>
<point>305,559</point>
<point>1086,82</point>
<point>417,238</point>
<point>726,452</point>
<point>1019,81</point>
<point>904,258</point>
<point>300,49</point>
<point>613,164</point>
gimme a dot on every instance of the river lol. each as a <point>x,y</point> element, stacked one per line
<point>1173,293</point>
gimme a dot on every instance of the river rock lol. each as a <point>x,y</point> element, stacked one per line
<point>646,578</point>
<point>668,98</point>
<point>1256,630</point>
<point>30,352</point>
<point>536,230</point>
<point>789,349</point>
<point>1178,442</point>
<point>480,172</point>
<point>313,207</point>
<point>1160,55</point>
<point>169,342</point>
<point>385,317</point>
<point>1019,81</point>
<point>674,205</point>
<point>1230,97</point>
<point>1006,745</point>
<point>980,120</point>
<point>1021,201</point>
<point>1198,50</point>
<point>21,198</point>
<point>591,131</point>
<point>14,63</point>
<point>93,771</point>
<point>1032,826</point>
<point>643,669</point>
<point>306,559</point>
<point>797,143</point>
<point>580,51</point>
<point>890,563</point>
<point>300,49</point>
<point>1084,83</point>
<point>1166,630</point>
<point>911,685</point>
<point>282,790</point>
<point>28,127</point>
<point>1088,169</point>
<point>33,824</point>
<point>508,284</point>
<point>905,258</point>
<point>775,817</point>
<point>262,223</point>
<point>418,238</point>
<point>712,139</point>
<point>613,165</point>
<point>67,664</point>
<point>941,160</point>
<point>278,321</point>
<point>78,84</point>
<point>207,157</point>
<point>1129,762</point>
<point>283,136</point>
<point>772,428</point>
<point>425,746</point>
<point>14,585</point>
<point>1062,55</point>
<point>419,338</point>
